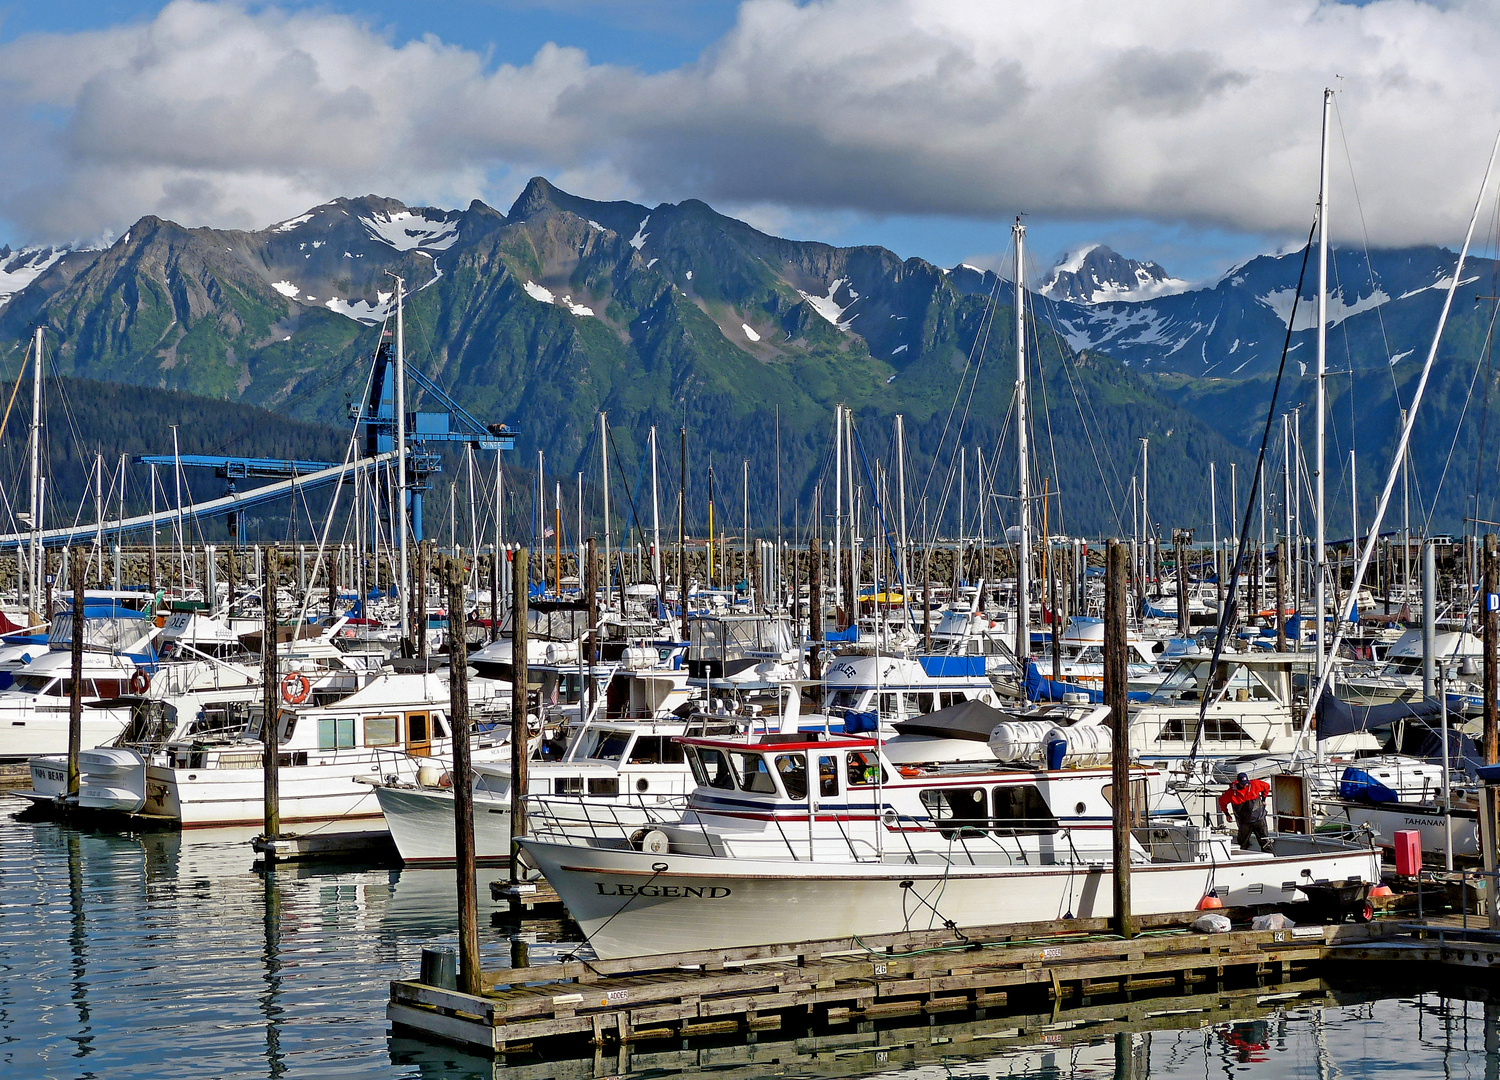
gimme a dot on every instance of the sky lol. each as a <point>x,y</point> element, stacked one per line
<point>1172,130</point>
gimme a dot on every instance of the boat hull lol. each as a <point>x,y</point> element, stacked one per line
<point>631,903</point>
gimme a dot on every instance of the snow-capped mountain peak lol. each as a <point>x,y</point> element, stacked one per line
<point>1095,274</point>
<point>19,269</point>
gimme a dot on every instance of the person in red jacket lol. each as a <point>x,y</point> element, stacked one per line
<point>1248,797</point>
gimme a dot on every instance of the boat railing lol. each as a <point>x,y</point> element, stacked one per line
<point>547,816</point>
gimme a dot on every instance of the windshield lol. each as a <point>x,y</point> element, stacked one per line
<point>844,699</point>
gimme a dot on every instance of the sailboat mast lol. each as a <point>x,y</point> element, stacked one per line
<point>1023,493</point>
<point>36,478</point>
<point>604,483</point>
<point>838,506</point>
<point>655,523</point>
<point>1319,552</point>
<point>399,517</point>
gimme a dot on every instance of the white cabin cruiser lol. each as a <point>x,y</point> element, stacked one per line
<point>391,727</point>
<point>117,657</point>
<point>616,777</point>
<point>825,834</point>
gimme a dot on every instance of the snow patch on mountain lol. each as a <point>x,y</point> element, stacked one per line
<point>363,311</point>
<point>638,241</point>
<point>1442,284</point>
<point>749,332</point>
<point>1280,301</point>
<point>292,223</point>
<point>536,292</point>
<point>406,231</point>
<point>286,289</point>
<point>830,308</point>
<point>19,269</point>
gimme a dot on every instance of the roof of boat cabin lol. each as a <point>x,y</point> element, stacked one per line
<point>802,740</point>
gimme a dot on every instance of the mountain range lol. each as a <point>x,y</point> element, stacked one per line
<point>678,316</point>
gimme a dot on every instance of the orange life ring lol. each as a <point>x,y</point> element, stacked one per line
<point>909,771</point>
<point>295,688</point>
<point>140,682</point>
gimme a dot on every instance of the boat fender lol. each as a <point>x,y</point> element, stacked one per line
<point>295,688</point>
<point>428,776</point>
<point>140,682</point>
<point>446,780</point>
<point>909,771</point>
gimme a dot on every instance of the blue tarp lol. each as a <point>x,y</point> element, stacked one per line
<point>1358,784</point>
<point>858,723</point>
<point>851,634</point>
<point>953,667</point>
<point>1041,688</point>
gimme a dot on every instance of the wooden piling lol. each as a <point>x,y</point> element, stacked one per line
<point>75,691</point>
<point>1117,697</point>
<point>469,981</point>
<point>271,720</point>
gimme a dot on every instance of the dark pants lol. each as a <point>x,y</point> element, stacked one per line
<point>1255,827</point>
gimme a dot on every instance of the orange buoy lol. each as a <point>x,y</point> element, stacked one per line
<point>1210,902</point>
<point>1381,890</point>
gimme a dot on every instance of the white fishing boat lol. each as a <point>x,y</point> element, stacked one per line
<point>796,838</point>
<point>117,659</point>
<point>391,727</point>
<point>615,778</point>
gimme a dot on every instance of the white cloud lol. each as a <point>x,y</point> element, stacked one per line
<point>1174,111</point>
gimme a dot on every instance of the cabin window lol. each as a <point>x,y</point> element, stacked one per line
<point>567,785</point>
<point>604,785</point>
<point>861,769</point>
<point>755,775</point>
<point>34,684</point>
<point>656,750</point>
<point>828,777</point>
<point>228,716</point>
<point>1020,808</point>
<point>924,703</point>
<point>1224,729</point>
<point>107,688</point>
<point>888,705</point>
<point>793,770</point>
<point>439,729</point>
<point>950,698</point>
<point>380,731</point>
<point>844,699</point>
<point>956,806</point>
<point>335,733</point>
<point>717,773</point>
<point>612,746</point>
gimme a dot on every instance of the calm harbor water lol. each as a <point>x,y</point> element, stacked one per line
<point>164,955</point>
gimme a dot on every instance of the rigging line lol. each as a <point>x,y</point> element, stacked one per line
<point>1458,427</point>
<point>16,388</point>
<point>1359,205</point>
<point>1050,307</point>
<point>986,318</point>
<point>1231,603</point>
<point>1041,374</point>
<point>1404,444</point>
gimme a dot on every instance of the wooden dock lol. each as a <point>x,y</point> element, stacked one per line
<point>867,1048</point>
<point>853,981</point>
<point>364,847</point>
<point>529,899</point>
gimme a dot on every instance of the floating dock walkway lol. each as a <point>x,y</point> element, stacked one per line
<point>985,973</point>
